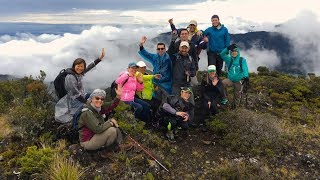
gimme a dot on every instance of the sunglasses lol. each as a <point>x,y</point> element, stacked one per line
<point>160,49</point>
<point>99,98</point>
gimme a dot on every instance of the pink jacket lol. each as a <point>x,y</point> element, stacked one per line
<point>130,87</point>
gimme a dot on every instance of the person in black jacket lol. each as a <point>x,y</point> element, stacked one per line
<point>176,111</point>
<point>184,68</point>
<point>213,94</point>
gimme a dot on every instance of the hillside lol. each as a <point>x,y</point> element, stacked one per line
<point>275,136</point>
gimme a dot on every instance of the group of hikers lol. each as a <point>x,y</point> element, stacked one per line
<point>164,98</point>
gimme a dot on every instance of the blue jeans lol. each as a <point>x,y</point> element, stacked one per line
<point>141,109</point>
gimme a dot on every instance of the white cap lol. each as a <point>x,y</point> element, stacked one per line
<point>211,68</point>
<point>141,64</point>
<point>184,43</point>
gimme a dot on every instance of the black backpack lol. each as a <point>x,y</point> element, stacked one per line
<point>113,86</point>
<point>59,82</point>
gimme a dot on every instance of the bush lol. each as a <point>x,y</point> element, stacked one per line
<point>218,127</point>
<point>239,170</point>
<point>249,132</point>
<point>36,160</point>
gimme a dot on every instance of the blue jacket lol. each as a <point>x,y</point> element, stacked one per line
<point>235,74</point>
<point>218,38</point>
<point>161,65</point>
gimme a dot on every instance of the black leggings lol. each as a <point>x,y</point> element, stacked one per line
<point>215,59</point>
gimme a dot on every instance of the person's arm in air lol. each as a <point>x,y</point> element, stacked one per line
<point>95,62</point>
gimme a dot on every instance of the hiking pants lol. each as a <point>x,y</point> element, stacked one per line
<point>176,121</point>
<point>236,90</point>
<point>106,138</point>
<point>215,59</point>
<point>141,109</point>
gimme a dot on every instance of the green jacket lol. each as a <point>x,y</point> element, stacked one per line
<point>235,74</point>
<point>148,87</point>
<point>91,122</point>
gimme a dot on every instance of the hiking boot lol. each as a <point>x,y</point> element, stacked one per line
<point>170,135</point>
<point>224,101</point>
<point>125,146</point>
<point>107,154</point>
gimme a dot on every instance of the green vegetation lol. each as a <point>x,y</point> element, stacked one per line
<point>280,128</point>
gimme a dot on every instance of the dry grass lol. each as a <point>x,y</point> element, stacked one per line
<point>5,128</point>
<point>64,169</point>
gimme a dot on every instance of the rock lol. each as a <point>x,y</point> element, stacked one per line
<point>253,160</point>
<point>207,162</point>
<point>206,142</point>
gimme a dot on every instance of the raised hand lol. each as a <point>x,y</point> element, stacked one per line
<point>143,40</point>
<point>170,21</point>
<point>119,90</point>
<point>102,54</point>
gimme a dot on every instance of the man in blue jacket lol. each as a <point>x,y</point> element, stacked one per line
<point>218,37</point>
<point>161,65</point>
<point>238,72</point>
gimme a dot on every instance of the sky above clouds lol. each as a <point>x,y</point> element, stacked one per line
<point>51,52</point>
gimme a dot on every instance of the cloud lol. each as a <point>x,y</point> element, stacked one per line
<point>52,53</point>
<point>304,35</point>
<point>260,57</point>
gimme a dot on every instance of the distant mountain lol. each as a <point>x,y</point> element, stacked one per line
<point>290,62</point>
<point>4,77</point>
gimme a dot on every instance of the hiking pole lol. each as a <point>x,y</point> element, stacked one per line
<point>145,150</point>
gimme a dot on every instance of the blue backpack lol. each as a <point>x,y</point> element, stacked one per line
<point>76,117</point>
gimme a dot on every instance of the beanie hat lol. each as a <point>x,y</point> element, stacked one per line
<point>215,16</point>
<point>98,92</point>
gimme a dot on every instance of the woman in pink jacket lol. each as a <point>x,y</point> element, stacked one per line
<point>130,84</point>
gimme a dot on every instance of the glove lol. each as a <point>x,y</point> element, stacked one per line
<point>231,47</point>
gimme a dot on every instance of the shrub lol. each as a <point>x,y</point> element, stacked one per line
<point>64,169</point>
<point>36,160</point>
<point>239,170</point>
<point>249,132</point>
<point>218,127</point>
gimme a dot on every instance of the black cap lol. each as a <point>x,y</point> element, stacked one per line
<point>215,16</point>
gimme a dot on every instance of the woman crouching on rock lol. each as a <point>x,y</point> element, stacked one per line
<point>96,133</point>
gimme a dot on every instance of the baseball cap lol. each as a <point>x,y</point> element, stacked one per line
<point>212,68</point>
<point>194,22</point>
<point>186,89</point>
<point>132,64</point>
<point>141,64</point>
<point>184,43</point>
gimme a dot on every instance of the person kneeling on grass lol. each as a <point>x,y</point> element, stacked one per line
<point>176,111</point>
<point>94,131</point>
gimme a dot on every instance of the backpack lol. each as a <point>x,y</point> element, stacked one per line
<point>59,82</point>
<point>114,85</point>
<point>240,61</point>
<point>76,117</point>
